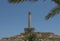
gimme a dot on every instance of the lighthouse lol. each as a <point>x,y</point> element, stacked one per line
<point>29,28</point>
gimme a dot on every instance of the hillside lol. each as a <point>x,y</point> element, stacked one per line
<point>43,36</point>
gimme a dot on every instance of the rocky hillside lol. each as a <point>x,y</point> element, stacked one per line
<point>42,36</point>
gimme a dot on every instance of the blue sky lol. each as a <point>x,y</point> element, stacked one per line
<point>14,17</point>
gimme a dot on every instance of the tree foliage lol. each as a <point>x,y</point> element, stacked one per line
<point>51,14</point>
<point>54,11</point>
<point>30,36</point>
<point>15,1</point>
<point>18,1</point>
<point>56,1</point>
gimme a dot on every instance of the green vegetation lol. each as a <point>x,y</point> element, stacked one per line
<point>33,37</point>
<point>15,1</point>
<point>55,10</point>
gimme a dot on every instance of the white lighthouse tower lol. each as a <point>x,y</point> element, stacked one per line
<point>30,28</point>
